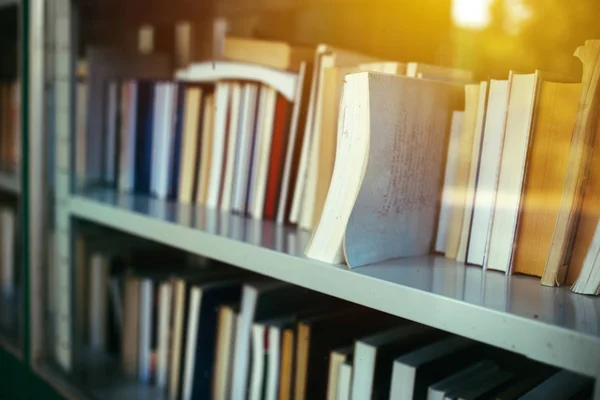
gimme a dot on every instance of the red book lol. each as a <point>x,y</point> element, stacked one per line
<point>276,159</point>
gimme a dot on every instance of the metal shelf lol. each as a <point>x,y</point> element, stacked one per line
<point>516,313</point>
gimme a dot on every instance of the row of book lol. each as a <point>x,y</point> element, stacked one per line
<point>10,134</point>
<point>214,331</point>
<point>519,177</point>
<point>263,150</point>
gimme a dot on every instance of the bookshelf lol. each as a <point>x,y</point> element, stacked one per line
<point>515,313</point>
<point>11,288</point>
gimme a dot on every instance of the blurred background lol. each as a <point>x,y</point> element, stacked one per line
<point>489,37</point>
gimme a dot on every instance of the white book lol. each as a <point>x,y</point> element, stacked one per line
<point>258,362</point>
<point>519,121</point>
<point>157,135</point>
<point>273,367</point>
<point>291,146</point>
<point>111,128</point>
<point>145,330</point>
<point>448,195</point>
<point>98,300</point>
<point>344,386</point>
<point>127,136</point>
<point>337,358</point>
<point>192,339</point>
<point>163,147</point>
<point>461,256</point>
<point>163,331</point>
<point>588,281</point>
<point>489,169</point>
<point>232,137</point>
<point>260,174</point>
<point>256,146</point>
<point>219,141</point>
<point>244,148</point>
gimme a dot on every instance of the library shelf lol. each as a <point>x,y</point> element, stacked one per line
<point>516,313</point>
<point>9,181</point>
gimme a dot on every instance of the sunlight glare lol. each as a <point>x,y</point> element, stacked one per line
<point>471,13</point>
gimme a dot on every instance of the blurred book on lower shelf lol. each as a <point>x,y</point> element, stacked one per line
<point>10,126</point>
<point>214,331</point>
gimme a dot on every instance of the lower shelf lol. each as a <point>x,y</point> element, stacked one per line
<point>10,324</point>
<point>516,313</point>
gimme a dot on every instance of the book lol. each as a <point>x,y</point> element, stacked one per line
<point>163,140</point>
<point>420,70</point>
<point>236,105</point>
<point>131,326</point>
<point>81,109</point>
<point>165,298</point>
<point>272,54</point>
<point>202,333</point>
<point>461,254</point>
<point>177,144</point>
<point>577,166</point>
<point>489,167</point>
<point>280,141</point>
<point>206,147</point>
<point>8,238</point>
<point>144,136</point>
<point>286,380</point>
<point>223,362</point>
<point>588,281</point>
<point>98,303</point>
<point>190,143</point>
<point>546,166</point>
<point>519,122</point>
<point>337,358</point>
<point>562,385</point>
<point>588,219</point>
<point>345,381</point>
<point>127,136</point>
<point>367,210</point>
<point>219,143</point>
<point>374,354</point>
<point>111,126</point>
<point>261,153</point>
<point>305,183</point>
<point>386,67</point>
<point>319,333</point>
<point>486,384</point>
<point>244,147</point>
<point>325,150</point>
<point>147,330</point>
<point>448,193</point>
<point>259,353</point>
<point>438,391</point>
<point>461,180</point>
<point>412,373</point>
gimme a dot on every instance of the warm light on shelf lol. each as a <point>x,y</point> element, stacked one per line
<point>471,13</point>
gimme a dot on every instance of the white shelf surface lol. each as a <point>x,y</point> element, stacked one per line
<point>551,325</point>
<point>9,181</point>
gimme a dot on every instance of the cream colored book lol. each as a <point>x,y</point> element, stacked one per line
<point>189,144</point>
<point>489,168</point>
<point>205,149</point>
<point>420,70</point>
<point>274,54</point>
<point>326,56</point>
<point>386,67</point>
<point>519,122</point>
<point>221,107</point>
<point>461,254</point>
<point>462,171</point>
<point>383,198</point>
<point>448,193</point>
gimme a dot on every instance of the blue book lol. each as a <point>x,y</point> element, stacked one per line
<point>143,146</point>
<point>176,148</point>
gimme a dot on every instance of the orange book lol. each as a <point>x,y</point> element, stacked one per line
<point>547,164</point>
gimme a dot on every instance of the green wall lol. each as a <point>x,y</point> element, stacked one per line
<point>18,382</point>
